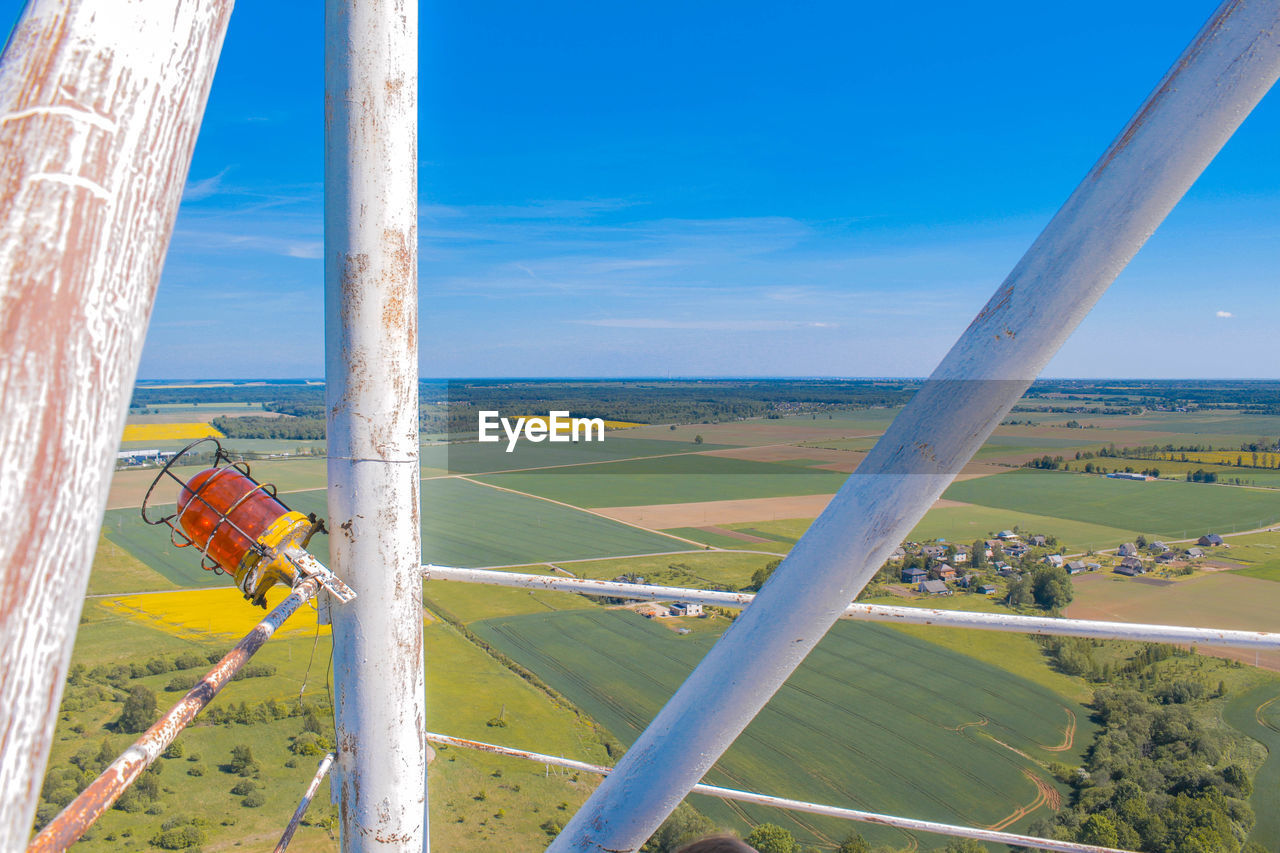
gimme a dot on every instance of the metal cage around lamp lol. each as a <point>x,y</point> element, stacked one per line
<point>240,526</point>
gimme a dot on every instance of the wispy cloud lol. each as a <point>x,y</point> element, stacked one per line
<point>205,187</point>
<point>290,247</point>
<point>1225,315</point>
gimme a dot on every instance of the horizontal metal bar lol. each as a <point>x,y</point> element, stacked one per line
<point>321,772</point>
<point>797,805</point>
<point>102,792</point>
<point>1009,622</point>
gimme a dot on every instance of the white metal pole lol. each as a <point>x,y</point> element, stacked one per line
<point>1200,102</point>
<point>100,103</point>
<point>907,823</point>
<point>371,367</point>
<point>1008,622</point>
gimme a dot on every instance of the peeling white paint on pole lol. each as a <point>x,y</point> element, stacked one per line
<point>371,366</point>
<point>100,103</point>
<point>1217,81</point>
<point>1007,622</point>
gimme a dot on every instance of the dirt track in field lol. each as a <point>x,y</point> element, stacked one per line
<point>714,513</point>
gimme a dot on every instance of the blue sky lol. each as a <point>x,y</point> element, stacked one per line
<point>715,188</point>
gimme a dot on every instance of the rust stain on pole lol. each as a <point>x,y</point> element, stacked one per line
<point>100,103</point>
<point>79,815</point>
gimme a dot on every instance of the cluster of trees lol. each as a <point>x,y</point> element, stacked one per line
<point>759,576</point>
<point>687,824</point>
<point>1253,396</point>
<point>1045,586</point>
<point>1201,476</point>
<point>454,408</point>
<point>1158,776</point>
<point>1046,462</point>
<point>288,429</point>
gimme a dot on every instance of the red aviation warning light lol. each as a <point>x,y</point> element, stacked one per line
<point>241,528</point>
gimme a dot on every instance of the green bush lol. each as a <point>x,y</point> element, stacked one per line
<point>771,838</point>
<point>254,800</point>
<point>310,743</point>
<point>139,711</point>
<point>179,836</point>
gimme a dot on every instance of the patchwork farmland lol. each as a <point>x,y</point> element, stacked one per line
<point>920,721</point>
<point>875,719</point>
<point>1177,510</point>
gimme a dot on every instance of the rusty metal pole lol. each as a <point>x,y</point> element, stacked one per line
<point>100,103</point>
<point>1216,82</point>
<point>371,369</point>
<point>65,829</point>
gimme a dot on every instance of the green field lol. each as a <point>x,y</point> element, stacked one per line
<point>474,457</point>
<point>874,718</point>
<point>468,525</point>
<point>1258,554</point>
<point>1175,510</point>
<point>961,524</point>
<point>719,540</point>
<point>473,525</point>
<point>151,546</point>
<point>672,479</point>
<point>698,569</point>
<point>1257,714</point>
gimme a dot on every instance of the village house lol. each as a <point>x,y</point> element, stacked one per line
<point>937,552</point>
<point>1130,566</point>
<point>686,609</point>
<point>987,588</point>
<point>966,580</point>
<point>1007,535</point>
<point>935,587</point>
<point>1128,549</point>
<point>1037,541</point>
<point>1017,550</point>
<point>913,575</point>
<point>1075,567</point>
<point>1194,552</point>
<point>1054,560</point>
<point>946,572</point>
<point>1210,539</point>
<point>1158,547</point>
<point>1166,557</point>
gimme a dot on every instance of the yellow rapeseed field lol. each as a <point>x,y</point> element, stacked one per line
<point>204,613</point>
<point>1241,458</point>
<point>168,432</point>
